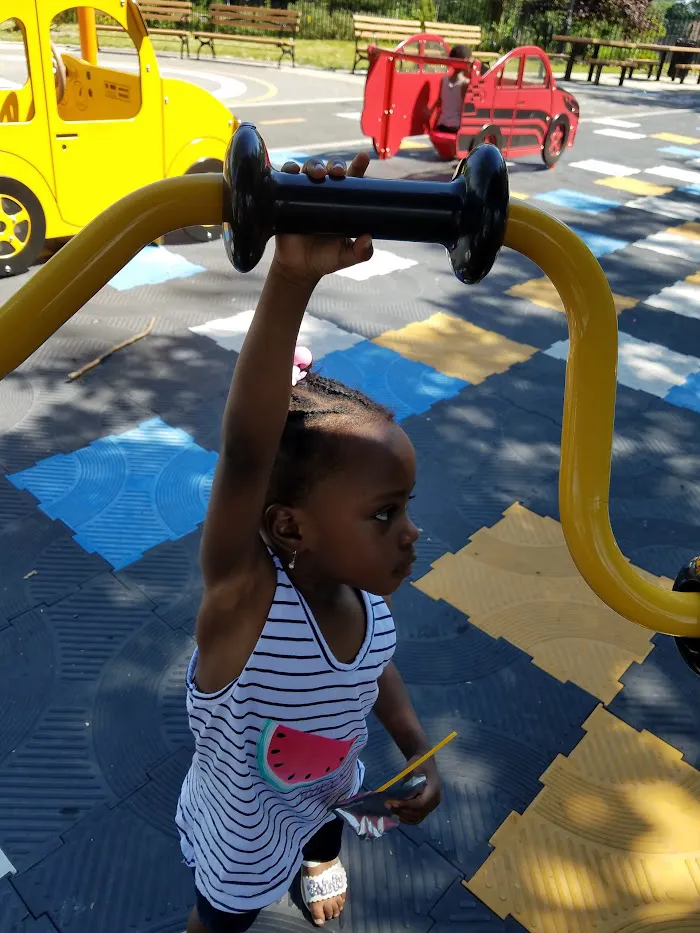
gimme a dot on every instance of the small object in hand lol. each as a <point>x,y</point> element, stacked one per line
<point>368,814</point>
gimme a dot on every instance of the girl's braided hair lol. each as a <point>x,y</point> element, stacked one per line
<point>308,449</point>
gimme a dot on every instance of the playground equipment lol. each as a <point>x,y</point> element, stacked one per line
<point>79,136</point>
<point>97,253</point>
<point>515,105</point>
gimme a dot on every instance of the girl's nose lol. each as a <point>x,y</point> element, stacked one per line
<point>410,533</point>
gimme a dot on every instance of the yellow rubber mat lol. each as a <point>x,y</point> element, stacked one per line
<point>517,581</point>
<point>541,292</point>
<point>675,138</point>
<point>690,229</point>
<point>456,348</point>
<point>610,845</point>
<point>693,279</point>
<point>634,186</point>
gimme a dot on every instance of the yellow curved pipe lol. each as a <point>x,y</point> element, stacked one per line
<point>102,248</point>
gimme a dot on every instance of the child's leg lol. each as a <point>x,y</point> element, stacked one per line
<point>322,851</point>
<point>325,845</point>
<point>205,918</point>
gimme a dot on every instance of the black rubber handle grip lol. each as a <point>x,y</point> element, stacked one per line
<point>688,581</point>
<point>467,215</point>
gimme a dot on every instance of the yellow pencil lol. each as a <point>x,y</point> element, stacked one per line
<point>417,764</point>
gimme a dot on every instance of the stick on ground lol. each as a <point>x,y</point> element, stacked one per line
<point>120,346</point>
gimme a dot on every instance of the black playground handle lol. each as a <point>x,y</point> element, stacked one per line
<point>688,581</point>
<point>467,215</point>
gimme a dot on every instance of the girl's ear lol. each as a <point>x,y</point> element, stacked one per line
<point>282,528</point>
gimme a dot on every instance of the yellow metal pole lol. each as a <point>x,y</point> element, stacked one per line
<point>86,263</point>
<point>97,253</point>
<point>88,34</point>
<point>587,430</point>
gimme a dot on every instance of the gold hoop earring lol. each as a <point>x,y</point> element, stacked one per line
<point>293,561</point>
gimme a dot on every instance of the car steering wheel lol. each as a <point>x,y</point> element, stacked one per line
<point>59,73</point>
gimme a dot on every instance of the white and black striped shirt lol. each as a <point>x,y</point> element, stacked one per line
<point>241,834</point>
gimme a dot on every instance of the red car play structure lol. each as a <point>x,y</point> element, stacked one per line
<point>515,105</point>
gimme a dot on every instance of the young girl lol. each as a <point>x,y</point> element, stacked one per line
<point>452,90</point>
<point>306,537</point>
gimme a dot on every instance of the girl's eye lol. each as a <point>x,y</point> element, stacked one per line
<point>387,514</point>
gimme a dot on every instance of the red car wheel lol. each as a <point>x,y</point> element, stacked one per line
<point>491,135</point>
<point>555,142</point>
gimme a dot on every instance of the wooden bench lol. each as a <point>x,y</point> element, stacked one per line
<point>176,12</point>
<point>282,24</point>
<point>461,34</point>
<point>597,64</point>
<point>372,30</point>
<point>684,70</point>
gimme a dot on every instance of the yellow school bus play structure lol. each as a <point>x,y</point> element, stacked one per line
<point>79,136</point>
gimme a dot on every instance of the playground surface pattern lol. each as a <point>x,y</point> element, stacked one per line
<point>572,793</point>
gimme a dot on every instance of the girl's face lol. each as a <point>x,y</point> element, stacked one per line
<point>354,524</point>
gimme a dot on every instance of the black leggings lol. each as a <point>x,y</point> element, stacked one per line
<point>324,846</point>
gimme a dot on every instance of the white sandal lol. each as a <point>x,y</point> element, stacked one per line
<point>330,883</point>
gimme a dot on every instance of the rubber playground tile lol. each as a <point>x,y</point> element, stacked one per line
<point>15,916</point>
<point>518,581</point>
<point>321,337</point>
<point>598,243</point>
<point>152,266</point>
<point>521,321</point>
<point>604,168</point>
<point>661,696</point>
<point>577,201</point>
<point>657,325</point>
<point>647,367</point>
<point>675,138</point>
<point>456,347</point>
<point>382,262</point>
<point>613,835</point>
<point>687,395</point>
<point>152,696</point>
<point>512,719</point>
<point>126,493</point>
<point>405,386</point>
<point>675,174</point>
<point>13,502</point>
<point>459,909</point>
<point>666,208</point>
<point>169,575</point>
<point>633,186</point>
<point>641,272</point>
<point>115,873</point>
<point>681,298</point>
<point>542,292</point>
<point>40,563</point>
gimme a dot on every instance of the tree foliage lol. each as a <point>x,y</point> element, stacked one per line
<point>630,15</point>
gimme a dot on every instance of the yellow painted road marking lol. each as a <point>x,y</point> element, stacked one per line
<point>519,195</point>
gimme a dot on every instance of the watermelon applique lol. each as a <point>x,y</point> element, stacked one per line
<point>289,758</point>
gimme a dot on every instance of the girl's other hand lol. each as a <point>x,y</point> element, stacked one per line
<point>308,258</point>
<point>417,808</point>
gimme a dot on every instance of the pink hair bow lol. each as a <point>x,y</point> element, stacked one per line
<point>302,362</point>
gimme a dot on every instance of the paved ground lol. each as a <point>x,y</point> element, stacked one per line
<point>572,794</point>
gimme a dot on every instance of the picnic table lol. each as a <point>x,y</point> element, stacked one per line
<point>585,41</point>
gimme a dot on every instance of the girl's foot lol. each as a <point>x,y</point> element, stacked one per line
<point>324,888</point>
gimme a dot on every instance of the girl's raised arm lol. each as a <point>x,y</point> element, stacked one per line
<point>258,401</point>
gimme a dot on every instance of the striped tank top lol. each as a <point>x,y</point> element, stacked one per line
<point>274,750</point>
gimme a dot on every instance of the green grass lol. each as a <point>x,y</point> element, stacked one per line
<point>320,53</point>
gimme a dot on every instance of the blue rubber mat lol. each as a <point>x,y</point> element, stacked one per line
<point>662,695</point>
<point>126,493</point>
<point>511,717</point>
<point>15,916</point>
<point>683,151</point>
<point>576,200</point>
<point>405,386</point>
<point>460,909</point>
<point>598,243</point>
<point>152,266</point>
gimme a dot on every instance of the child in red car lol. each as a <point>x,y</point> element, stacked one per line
<point>452,90</point>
